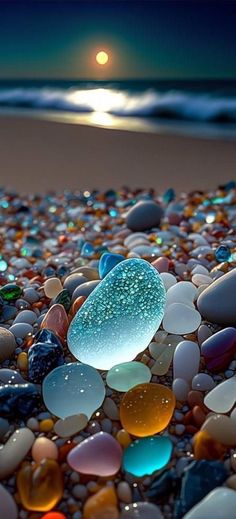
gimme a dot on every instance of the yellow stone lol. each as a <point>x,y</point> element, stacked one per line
<point>102,505</point>
<point>40,485</point>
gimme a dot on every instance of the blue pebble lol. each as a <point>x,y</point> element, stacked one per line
<point>42,359</point>
<point>222,253</point>
<point>46,336</point>
<point>145,456</point>
<point>18,400</point>
<point>107,262</point>
<point>87,250</point>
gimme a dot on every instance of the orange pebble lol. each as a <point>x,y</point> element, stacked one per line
<point>102,505</point>
<point>53,515</point>
<point>199,416</point>
<point>40,485</point>
<point>46,425</point>
<point>123,438</point>
<point>77,304</point>
<point>22,361</point>
<point>206,448</point>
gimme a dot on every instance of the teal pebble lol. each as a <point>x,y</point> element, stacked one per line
<point>120,317</point>
<point>72,389</point>
<point>123,377</point>
<point>107,262</point>
<point>145,456</point>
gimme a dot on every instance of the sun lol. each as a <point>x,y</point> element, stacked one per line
<point>102,57</point>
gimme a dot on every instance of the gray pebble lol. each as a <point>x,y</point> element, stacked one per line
<point>73,281</point>
<point>80,492</point>
<point>31,295</point>
<point>21,330</point>
<point>85,289</point>
<point>26,316</point>
<point>144,215</point>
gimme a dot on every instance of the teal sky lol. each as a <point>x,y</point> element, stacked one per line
<point>145,39</point>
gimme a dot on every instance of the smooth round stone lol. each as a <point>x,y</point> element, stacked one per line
<point>26,316</point>
<point>186,360</point>
<point>221,428</point>
<point>161,264</point>
<point>15,450</point>
<point>52,287</point>
<point>147,409</point>
<point>217,303</point>
<point>181,388</point>
<point>222,253</point>
<point>142,510</point>
<point>168,279</point>
<point>220,503</point>
<point>20,330</point>
<point>123,377</point>
<point>102,504</point>
<point>119,319</point>
<point>44,448</point>
<point>163,353</point>
<point>73,389</point>
<point>181,319</point>
<point>10,376</point>
<point>73,281</point>
<point>85,289</point>
<point>43,358</point>
<point>203,333</point>
<point>133,237</point>
<point>7,344</point>
<point>10,292</point>
<point>145,456</point>
<point>99,455</point>
<point>8,508</point>
<point>144,215</point>
<point>18,399</point>
<point>31,295</point>
<point>201,279</point>
<point>203,382</point>
<point>56,320</point>
<point>107,262</point>
<point>40,485</point>
<point>222,397</point>
<point>63,298</point>
<point>70,425</point>
<point>181,292</point>
<point>200,269</point>
<point>88,271</point>
<point>219,349</point>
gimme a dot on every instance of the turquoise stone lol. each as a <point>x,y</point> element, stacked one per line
<point>107,262</point>
<point>145,456</point>
<point>73,389</point>
<point>120,317</point>
<point>127,375</point>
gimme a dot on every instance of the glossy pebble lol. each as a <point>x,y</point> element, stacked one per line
<point>7,344</point>
<point>181,319</point>
<point>44,448</point>
<point>120,317</point>
<point>8,509</point>
<point>222,398</point>
<point>10,376</point>
<point>147,409</point>
<point>145,214</point>
<point>163,355</point>
<point>145,456</point>
<point>219,349</point>
<point>217,302</point>
<point>107,262</point>
<point>53,515</point>
<point>40,485</point>
<point>99,455</point>
<point>168,279</point>
<point>181,292</point>
<point>70,425</point>
<point>15,450</point>
<point>222,428</point>
<point>203,382</point>
<point>56,320</point>
<point>207,448</point>
<point>142,510</point>
<point>186,360</point>
<point>218,504</point>
<point>52,287</point>
<point>102,505</point>
<point>181,388</point>
<point>72,389</point>
<point>123,377</point>
<point>161,264</point>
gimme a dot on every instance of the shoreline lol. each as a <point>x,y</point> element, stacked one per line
<point>37,155</point>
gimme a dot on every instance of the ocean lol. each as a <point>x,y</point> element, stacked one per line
<point>189,107</point>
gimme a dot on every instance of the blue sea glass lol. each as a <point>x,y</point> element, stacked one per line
<point>222,253</point>
<point>120,317</point>
<point>72,389</point>
<point>145,456</point>
<point>107,262</point>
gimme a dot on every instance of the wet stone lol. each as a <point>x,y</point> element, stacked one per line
<point>43,358</point>
<point>10,292</point>
<point>18,399</point>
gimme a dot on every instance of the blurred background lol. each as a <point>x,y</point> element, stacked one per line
<point>105,93</point>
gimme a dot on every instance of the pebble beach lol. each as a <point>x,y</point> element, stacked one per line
<point>118,354</point>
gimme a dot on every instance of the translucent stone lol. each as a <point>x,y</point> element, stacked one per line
<point>52,287</point>
<point>127,375</point>
<point>99,455</point>
<point>186,360</point>
<point>181,319</point>
<point>222,397</point>
<point>220,503</point>
<point>70,425</point>
<point>40,485</point>
<point>102,505</point>
<point>72,389</point>
<point>147,409</point>
<point>221,428</point>
<point>44,448</point>
<point>142,510</point>
<point>182,292</point>
<point>145,456</point>
<point>163,354</point>
<point>107,262</point>
<point>56,320</point>
<point>120,317</point>
<point>168,279</point>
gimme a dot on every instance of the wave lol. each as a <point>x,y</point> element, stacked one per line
<point>172,104</point>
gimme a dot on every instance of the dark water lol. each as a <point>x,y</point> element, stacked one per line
<point>205,108</point>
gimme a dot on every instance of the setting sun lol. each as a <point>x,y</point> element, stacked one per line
<point>102,57</point>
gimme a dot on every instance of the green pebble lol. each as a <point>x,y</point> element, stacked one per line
<point>10,292</point>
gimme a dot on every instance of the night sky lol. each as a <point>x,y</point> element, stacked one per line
<point>145,39</point>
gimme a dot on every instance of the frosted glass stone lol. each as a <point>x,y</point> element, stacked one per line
<point>99,454</point>
<point>168,279</point>
<point>120,317</point>
<point>221,428</point>
<point>181,319</point>
<point>70,425</point>
<point>73,389</point>
<point>123,377</point>
<point>186,360</point>
<point>182,292</point>
<point>220,503</point>
<point>222,397</point>
<point>146,455</point>
<point>142,510</point>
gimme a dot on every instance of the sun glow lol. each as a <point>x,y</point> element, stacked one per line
<point>102,57</point>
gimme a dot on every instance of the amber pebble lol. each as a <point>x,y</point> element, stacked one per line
<point>147,409</point>
<point>56,320</point>
<point>77,304</point>
<point>206,448</point>
<point>40,485</point>
<point>102,505</point>
<point>123,438</point>
<point>198,415</point>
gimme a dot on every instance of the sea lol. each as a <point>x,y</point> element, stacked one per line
<point>199,108</point>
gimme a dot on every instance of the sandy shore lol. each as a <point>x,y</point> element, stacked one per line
<point>37,155</point>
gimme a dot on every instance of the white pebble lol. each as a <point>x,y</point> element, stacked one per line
<point>181,319</point>
<point>181,389</point>
<point>186,360</point>
<point>168,279</point>
<point>52,287</point>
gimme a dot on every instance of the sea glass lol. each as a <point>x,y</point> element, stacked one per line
<point>145,456</point>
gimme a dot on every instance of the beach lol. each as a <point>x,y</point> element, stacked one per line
<point>39,155</point>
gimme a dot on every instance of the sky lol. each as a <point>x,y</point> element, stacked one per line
<point>144,39</point>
